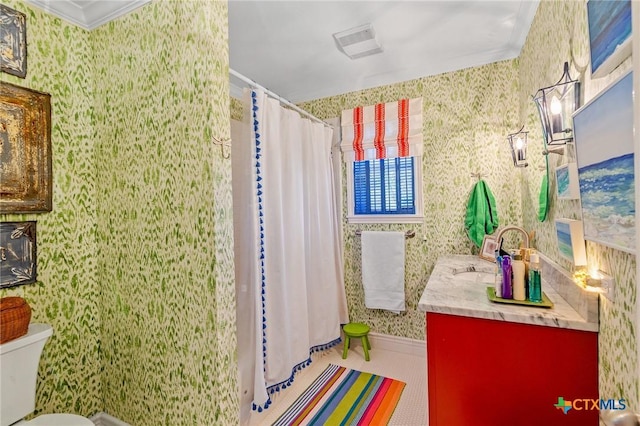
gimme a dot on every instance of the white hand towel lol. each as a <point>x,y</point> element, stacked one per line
<point>383,270</point>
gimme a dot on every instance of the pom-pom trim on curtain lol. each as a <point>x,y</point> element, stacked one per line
<point>384,130</point>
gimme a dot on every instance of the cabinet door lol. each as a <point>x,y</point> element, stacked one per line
<point>495,373</point>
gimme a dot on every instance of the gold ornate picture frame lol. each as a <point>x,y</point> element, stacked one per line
<point>13,42</point>
<point>25,150</point>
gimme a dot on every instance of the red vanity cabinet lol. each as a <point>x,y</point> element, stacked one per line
<point>484,372</point>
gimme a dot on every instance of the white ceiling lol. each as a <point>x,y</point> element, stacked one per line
<point>288,46</point>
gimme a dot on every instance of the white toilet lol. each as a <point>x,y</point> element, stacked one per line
<point>19,361</point>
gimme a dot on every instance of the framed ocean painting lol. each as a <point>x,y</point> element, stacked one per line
<point>603,134</point>
<point>571,241</point>
<point>609,34</point>
<point>567,187</point>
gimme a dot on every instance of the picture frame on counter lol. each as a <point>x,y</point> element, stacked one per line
<point>488,248</point>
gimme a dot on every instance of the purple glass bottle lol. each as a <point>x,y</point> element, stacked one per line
<point>507,289</point>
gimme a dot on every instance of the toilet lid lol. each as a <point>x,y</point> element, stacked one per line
<point>60,420</point>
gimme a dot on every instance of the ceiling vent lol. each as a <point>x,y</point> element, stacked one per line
<point>358,42</point>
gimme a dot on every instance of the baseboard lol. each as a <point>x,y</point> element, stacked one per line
<point>396,344</point>
<point>104,419</point>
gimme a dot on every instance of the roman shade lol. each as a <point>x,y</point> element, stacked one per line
<point>385,130</point>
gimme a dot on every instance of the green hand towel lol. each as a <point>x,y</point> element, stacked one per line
<point>482,215</point>
<point>543,209</point>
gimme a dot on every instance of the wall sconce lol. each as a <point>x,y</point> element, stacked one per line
<point>518,143</point>
<point>599,282</point>
<point>595,281</point>
<point>555,105</point>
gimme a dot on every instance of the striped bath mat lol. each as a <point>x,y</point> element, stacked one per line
<point>341,396</point>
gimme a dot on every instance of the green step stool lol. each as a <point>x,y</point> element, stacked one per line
<point>354,330</point>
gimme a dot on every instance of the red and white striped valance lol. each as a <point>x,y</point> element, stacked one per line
<point>379,131</point>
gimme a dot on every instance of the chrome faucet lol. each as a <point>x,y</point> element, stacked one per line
<point>512,228</point>
<point>615,417</point>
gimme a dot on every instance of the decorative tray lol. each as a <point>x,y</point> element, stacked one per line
<point>546,303</point>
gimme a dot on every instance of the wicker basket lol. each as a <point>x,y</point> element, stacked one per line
<point>15,314</point>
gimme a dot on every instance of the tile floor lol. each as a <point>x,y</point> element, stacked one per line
<point>411,369</point>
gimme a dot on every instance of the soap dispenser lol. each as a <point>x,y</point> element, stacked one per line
<point>535,280</point>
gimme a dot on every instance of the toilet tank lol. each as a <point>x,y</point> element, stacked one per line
<point>19,361</point>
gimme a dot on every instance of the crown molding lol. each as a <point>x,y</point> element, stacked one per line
<point>89,15</point>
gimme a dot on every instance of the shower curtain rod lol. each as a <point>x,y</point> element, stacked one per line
<point>277,97</point>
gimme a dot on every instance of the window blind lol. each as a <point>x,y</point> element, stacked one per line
<point>384,130</point>
<point>384,186</point>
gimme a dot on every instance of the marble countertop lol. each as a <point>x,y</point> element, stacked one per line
<point>447,293</point>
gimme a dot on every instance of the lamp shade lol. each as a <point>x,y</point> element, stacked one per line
<point>518,145</point>
<point>556,105</point>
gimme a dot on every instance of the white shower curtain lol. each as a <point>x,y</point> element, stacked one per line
<point>288,248</point>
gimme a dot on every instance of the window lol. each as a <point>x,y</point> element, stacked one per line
<point>384,186</point>
<point>385,190</point>
<point>382,148</point>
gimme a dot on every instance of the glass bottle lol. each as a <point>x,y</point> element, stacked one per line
<point>535,279</point>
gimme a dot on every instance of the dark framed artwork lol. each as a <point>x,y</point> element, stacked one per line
<point>13,42</point>
<point>17,253</point>
<point>25,150</point>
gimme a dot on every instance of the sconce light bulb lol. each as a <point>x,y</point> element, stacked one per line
<point>519,143</point>
<point>556,106</point>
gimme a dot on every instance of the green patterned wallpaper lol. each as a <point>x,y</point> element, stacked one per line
<point>559,34</point>
<point>467,116</point>
<point>165,254</point>
<point>237,109</point>
<point>136,259</point>
<point>68,293</point>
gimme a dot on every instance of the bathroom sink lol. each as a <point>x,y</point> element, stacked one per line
<point>476,275</point>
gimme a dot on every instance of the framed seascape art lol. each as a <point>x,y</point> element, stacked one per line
<point>609,34</point>
<point>13,42</point>
<point>571,241</point>
<point>25,154</point>
<point>603,132</point>
<point>567,187</point>
<point>17,253</point>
